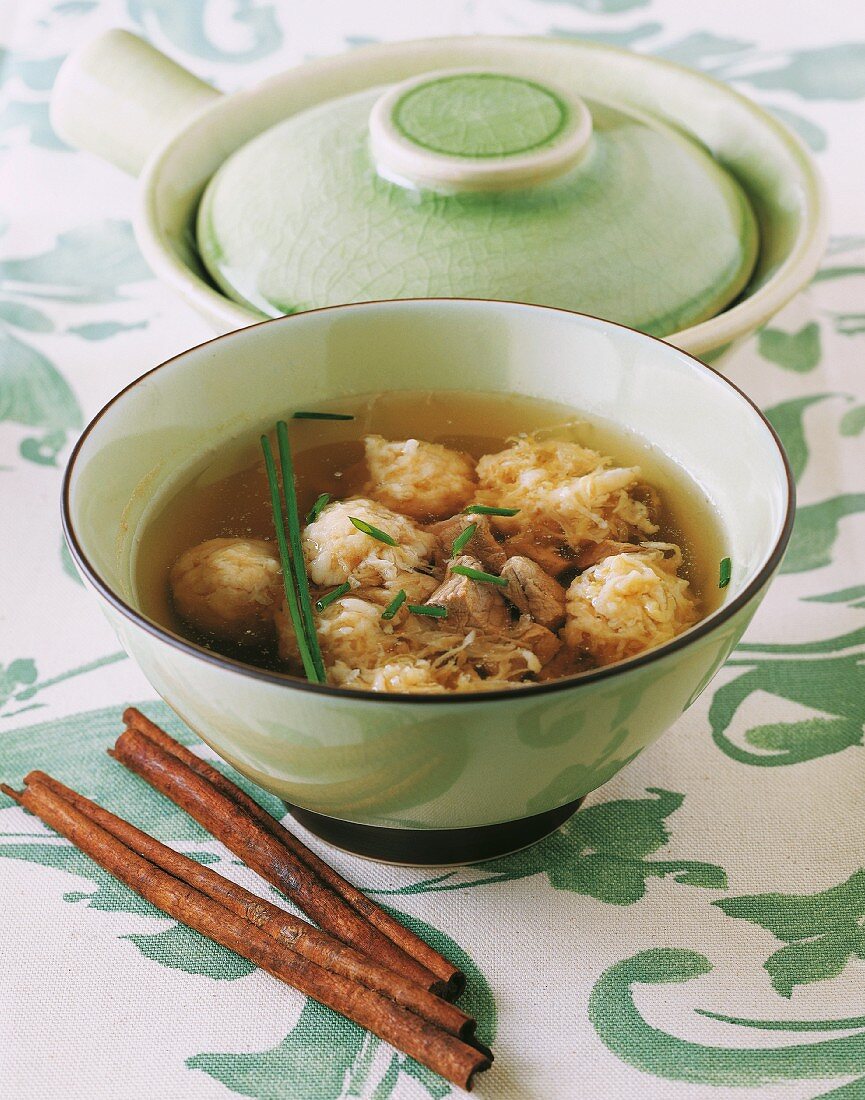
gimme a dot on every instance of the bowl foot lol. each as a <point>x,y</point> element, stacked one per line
<point>434,847</point>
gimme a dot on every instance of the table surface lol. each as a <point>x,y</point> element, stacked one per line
<point>697,930</point>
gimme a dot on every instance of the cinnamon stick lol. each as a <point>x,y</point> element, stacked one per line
<point>289,929</point>
<point>437,1049</point>
<point>259,849</point>
<point>409,943</point>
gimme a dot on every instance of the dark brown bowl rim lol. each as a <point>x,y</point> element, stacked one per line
<point>700,630</point>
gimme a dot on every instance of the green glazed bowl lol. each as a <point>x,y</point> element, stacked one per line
<point>407,777</point>
<point>126,102</point>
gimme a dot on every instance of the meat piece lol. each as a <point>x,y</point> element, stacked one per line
<point>482,545</point>
<point>564,489</point>
<point>594,552</point>
<point>335,550</point>
<point>546,552</point>
<point>628,603</point>
<point>228,587</point>
<point>534,592</point>
<point>470,604</point>
<point>541,641</point>
<point>419,479</point>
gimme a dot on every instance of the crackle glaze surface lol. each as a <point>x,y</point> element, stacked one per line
<point>647,230</point>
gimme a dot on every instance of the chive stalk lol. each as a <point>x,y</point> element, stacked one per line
<point>394,605</point>
<point>373,532</point>
<point>431,610</point>
<point>305,415</point>
<point>479,575</point>
<point>487,510</point>
<point>288,581</point>
<point>463,539</point>
<point>725,572</point>
<point>290,494</point>
<point>317,508</point>
<point>329,597</point>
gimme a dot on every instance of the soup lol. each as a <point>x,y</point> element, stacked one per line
<point>453,542</point>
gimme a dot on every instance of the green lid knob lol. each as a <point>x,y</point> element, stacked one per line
<point>470,131</point>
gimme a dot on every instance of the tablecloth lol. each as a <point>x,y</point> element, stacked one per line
<point>697,930</point>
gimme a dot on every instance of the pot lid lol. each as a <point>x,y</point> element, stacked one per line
<point>480,185</point>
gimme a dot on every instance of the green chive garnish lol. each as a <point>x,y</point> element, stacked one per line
<point>433,610</point>
<point>310,665</point>
<point>725,572</point>
<point>374,532</point>
<point>486,510</point>
<point>327,600</point>
<point>317,508</point>
<point>321,416</point>
<point>394,605</point>
<point>462,540</point>
<point>479,575</point>
<point>301,579</point>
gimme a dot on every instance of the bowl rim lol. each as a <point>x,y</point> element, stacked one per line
<point>739,318</point>
<point>700,629</point>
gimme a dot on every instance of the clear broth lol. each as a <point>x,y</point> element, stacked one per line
<point>228,496</point>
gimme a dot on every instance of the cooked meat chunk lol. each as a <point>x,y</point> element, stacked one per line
<point>534,592</point>
<point>335,550</point>
<point>593,552</point>
<point>482,545</point>
<point>541,641</point>
<point>627,603</point>
<point>547,552</point>
<point>470,604</point>
<point>422,480</point>
<point>227,587</point>
<point>565,490</point>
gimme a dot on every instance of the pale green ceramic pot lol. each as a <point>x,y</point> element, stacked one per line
<point>123,100</point>
<point>418,778</point>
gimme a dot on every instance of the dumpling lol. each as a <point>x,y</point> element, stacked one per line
<point>563,489</point>
<point>227,587</point>
<point>352,636</point>
<point>627,603</point>
<point>422,480</point>
<point>335,550</point>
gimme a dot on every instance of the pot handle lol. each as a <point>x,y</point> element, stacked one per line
<point>120,98</point>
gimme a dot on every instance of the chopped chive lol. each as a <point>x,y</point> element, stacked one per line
<point>725,572</point>
<point>394,605</point>
<point>486,510</point>
<point>288,582</point>
<point>462,540</point>
<point>303,415</point>
<point>327,600</point>
<point>479,575</point>
<point>317,508</point>
<point>433,610</point>
<point>289,492</point>
<point>374,532</point>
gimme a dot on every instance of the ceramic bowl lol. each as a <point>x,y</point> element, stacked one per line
<point>128,103</point>
<point>409,777</point>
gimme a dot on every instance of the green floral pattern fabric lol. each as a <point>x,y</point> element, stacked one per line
<point>698,930</point>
